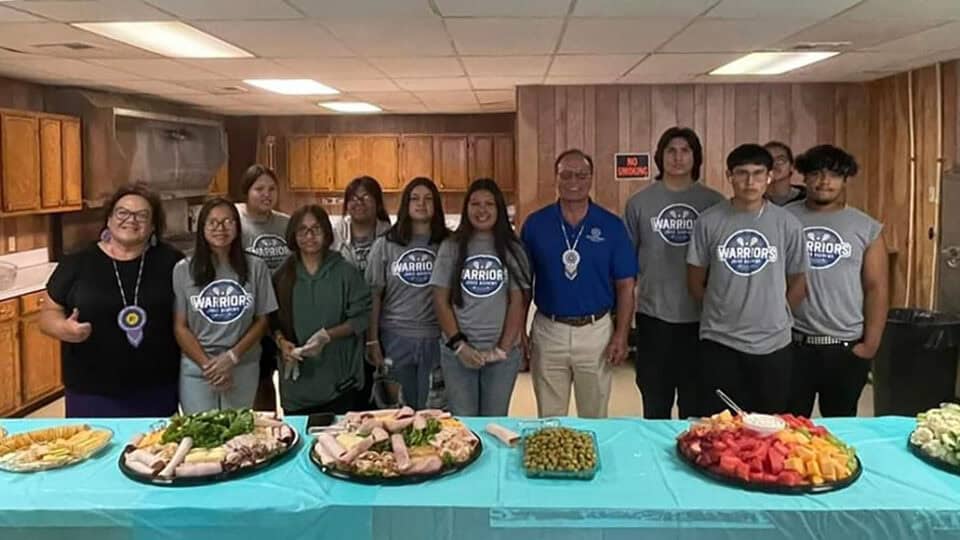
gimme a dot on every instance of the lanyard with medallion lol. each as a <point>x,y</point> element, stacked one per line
<point>132,318</point>
<point>571,257</point>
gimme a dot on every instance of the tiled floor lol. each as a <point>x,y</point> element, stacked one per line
<point>624,401</point>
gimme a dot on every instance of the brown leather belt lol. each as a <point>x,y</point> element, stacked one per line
<point>578,321</point>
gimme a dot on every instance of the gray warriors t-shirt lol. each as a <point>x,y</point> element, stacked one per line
<point>221,312</point>
<point>748,256</point>
<point>660,223</point>
<point>265,239</point>
<point>485,284</point>
<point>835,242</point>
<point>403,272</point>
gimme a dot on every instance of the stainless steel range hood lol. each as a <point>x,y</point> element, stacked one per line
<point>127,140</point>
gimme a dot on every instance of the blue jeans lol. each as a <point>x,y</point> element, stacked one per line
<point>479,392</point>
<point>413,360</point>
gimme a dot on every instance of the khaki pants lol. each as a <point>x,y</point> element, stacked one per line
<point>563,354</point>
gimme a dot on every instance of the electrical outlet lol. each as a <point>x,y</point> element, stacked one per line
<point>11,243</point>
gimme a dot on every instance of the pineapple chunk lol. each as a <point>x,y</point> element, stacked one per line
<point>794,464</point>
<point>817,480</point>
<point>813,469</point>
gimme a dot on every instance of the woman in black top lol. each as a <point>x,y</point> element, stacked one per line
<point>111,304</point>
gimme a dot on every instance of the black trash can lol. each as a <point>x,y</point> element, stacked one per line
<point>916,366</point>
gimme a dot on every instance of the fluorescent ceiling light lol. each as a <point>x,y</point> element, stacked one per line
<point>350,106</point>
<point>771,63</point>
<point>293,87</point>
<point>170,38</point>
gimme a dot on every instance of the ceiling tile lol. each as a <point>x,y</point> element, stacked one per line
<point>860,33</point>
<point>641,8</point>
<point>207,99</point>
<point>906,11</point>
<point>92,10</point>
<point>496,96</point>
<point>339,68</point>
<point>154,87</point>
<point>447,98</point>
<point>327,9</point>
<point>657,78</point>
<point>362,85</point>
<point>45,38</point>
<point>679,64</point>
<point>941,38</point>
<point>228,10</point>
<point>278,39</point>
<point>505,66</point>
<point>426,83</point>
<point>773,9</point>
<point>613,65</point>
<point>857,62</point>
<point>596,79</point>
<point>387,98</point>
<point>732,35</point>
<point>158,68</point>
<point>392,37</point>
<point>501,83</point>
<point>505,36</point>
<point>503,8</point>
<point>71,69</point>
<point>12,15</point>
<point>419,67</point>
<point>242,68</point>
<point>222,87</point>
<point>619,35</point>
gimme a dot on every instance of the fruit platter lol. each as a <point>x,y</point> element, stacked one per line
<point>395,446</point>
<point>207,447</point>
<point>799,457</point>
<point>936,439</point>
<point>51,448</point>
<point>560,452</point>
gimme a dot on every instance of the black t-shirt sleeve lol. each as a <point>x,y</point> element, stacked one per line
<point>64,278</point>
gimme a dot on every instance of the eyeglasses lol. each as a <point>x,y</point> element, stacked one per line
<point>314,231</point>
<point>781,160</point>
<point>759,176</point>
<point>359,199</point>
<point>580,175</point>
<point>122,215</point>
<point>217,224</point>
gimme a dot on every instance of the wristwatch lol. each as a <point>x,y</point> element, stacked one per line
<point>456,340</point>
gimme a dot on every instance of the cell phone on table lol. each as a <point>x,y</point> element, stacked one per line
<point>319,420</point>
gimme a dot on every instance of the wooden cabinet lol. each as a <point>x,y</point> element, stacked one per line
<point>39,361</point>
<point>416,157</point>
<point>9,366</point>
<point>72,163</point>
<point>30,370</point>
<point>220,185</point>
<point>451,169</point>
<point>40,163</point>
<point>321,163</point>
<point>51,163</point>
<point>330,162</point>
<point>19,135</point>
<point>382,157</point>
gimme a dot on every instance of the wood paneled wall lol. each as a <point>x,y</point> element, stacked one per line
<point>603,120</point>
<point>282,126</point>
<point>28,232</point>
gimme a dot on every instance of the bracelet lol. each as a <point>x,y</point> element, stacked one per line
<point>374,342</point>
<point>232,356</point>
<point>460,347</point>
<point>459,337</point>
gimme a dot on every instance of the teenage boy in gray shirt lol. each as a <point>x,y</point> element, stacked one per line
<point>837,328</point>
<point>660,221</point>
<point>746,264</point>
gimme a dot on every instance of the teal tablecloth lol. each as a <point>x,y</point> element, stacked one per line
<point>641,491</point>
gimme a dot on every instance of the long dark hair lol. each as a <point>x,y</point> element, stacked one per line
<point>402,231</point>
<point>504,238</point>
<point>289,271</point>
<point>371,186</point>
<point>159,218</point>
<point>693,142</point>
<point>202,267</point>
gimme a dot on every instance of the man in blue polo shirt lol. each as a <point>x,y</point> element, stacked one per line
<point>584,267</point>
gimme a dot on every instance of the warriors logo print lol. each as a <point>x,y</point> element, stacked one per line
<point>482,276</point>
<point>271,248</point>
<point>747,252</point>
<point>222,301</point>
<point>825,247</point>
<point>414,267</point>
<point>675,224</point>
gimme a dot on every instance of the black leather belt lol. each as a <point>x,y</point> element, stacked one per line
<point>806,339</point>
<point>578,321</point>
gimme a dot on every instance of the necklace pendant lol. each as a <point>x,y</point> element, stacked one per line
<point>131,320</point>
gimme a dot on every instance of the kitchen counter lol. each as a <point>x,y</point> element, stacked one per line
<point>33,271</point>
